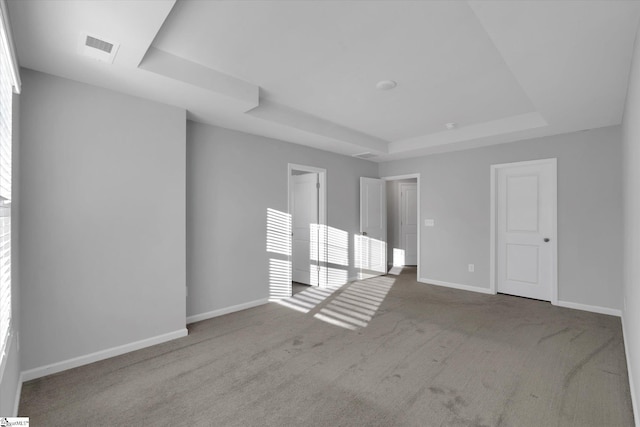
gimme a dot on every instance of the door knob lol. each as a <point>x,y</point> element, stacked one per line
<point>364,233</point>
<point>546,239</point>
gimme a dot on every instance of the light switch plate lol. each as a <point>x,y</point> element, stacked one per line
<point>429,222</point>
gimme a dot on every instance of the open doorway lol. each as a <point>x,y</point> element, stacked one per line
<point>307,208</point>
<point>403,223</point>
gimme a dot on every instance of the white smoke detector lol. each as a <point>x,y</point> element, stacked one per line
<point>386,84</point>
<point>98,48</point>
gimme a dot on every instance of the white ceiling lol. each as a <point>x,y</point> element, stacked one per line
<point>306,72</point>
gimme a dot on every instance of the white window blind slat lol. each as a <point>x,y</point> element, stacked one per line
<point>6,93</point>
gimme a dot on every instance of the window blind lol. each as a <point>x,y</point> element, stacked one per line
<point>6,93</point>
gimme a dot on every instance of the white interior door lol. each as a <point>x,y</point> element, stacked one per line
<point>409,222</point>
<point>304,203</point>
<point>371,246</point>
<point>526,218</point>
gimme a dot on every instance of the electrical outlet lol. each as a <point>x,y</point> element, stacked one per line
<point>472,268</point>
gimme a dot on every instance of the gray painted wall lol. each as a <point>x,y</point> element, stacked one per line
<point>232,179</point>
<point>631,288</point>
<point>10,376</point>
<point>102,227</point>
<point>455,192</point>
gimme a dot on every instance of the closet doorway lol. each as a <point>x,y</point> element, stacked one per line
<point>307,208</point>
<point>403,222</point>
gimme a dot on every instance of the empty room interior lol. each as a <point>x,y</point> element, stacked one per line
<point>326,213</point>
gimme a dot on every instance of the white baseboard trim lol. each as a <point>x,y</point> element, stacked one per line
<point>455,286</point>
<point>53,368</point>
<point>226,310</point>
<point>16,403</point>
<point>592,308</point>
<point>632,389</point>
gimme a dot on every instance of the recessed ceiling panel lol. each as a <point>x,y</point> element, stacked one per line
<point>325,58</point>
<point>572,58</point>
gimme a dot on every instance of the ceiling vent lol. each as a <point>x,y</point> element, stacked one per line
<point>99,44</point>
<point>366,155</point>
<point>98,48</point>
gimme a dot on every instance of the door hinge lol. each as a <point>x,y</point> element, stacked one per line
<point>318,185</point>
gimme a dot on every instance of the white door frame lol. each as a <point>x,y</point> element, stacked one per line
<point>493,247</point>
<point>322,203</point>
<point>408,176</point>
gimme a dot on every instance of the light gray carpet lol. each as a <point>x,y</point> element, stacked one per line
<point>431,356</point>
